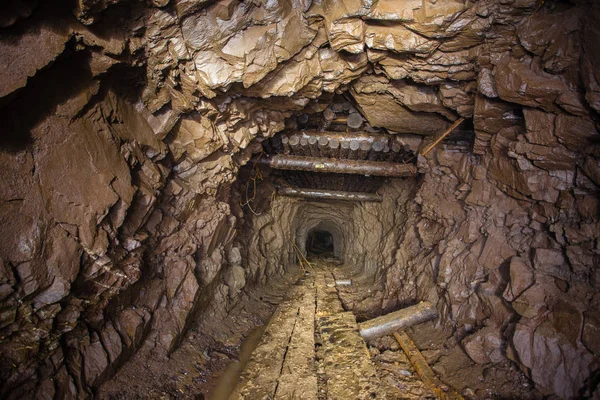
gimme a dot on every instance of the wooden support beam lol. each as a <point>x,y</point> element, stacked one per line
<point>344,149</point>
<point>441,391</point>
<point>441,137</point>
<point>328,194</point>
<point>363,150</point>
<point>355,120</point>
<point>285,141</point>
<point>343,136</point>
<point>353,153</point>
<point>332,165</point>
<point>376,150</point>
<point>397,320</point>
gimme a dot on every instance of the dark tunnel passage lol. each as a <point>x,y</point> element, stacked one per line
<point>319,243</point>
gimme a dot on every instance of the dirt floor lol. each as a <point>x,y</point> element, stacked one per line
<point>211,356</point>
<point>214,352</point>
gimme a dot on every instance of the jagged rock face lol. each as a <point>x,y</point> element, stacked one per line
<point>127,123</point>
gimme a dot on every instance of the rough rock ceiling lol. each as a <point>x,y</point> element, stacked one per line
<point>410,67</point>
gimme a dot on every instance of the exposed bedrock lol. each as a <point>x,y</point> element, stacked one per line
<point>127,201</point>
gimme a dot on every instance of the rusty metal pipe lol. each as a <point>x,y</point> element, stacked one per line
<point>328,194</point>
<point>332,165</point>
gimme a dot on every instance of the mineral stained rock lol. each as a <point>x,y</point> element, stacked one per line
<point>127,124</point>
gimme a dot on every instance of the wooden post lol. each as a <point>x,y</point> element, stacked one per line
<point>442,136</point>
<point>441,391</point>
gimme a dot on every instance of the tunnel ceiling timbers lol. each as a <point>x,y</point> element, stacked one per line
<point>345,166</point>
<point>358,145</point>
<point>335,138</point>
<point>323,194</point>
<point>334,182</point>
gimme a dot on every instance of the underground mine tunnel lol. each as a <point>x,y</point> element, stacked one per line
<point>299,199</point>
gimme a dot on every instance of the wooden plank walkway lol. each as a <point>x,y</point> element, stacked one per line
<point>284,364</point>
<point>347,362</point>
<point>298,379</point>
<point>312,350</point>
<point>280,359</point>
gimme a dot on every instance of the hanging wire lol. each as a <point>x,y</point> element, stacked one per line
<point>256,175</point>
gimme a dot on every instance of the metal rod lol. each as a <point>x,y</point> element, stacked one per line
<point>328,194</point>
<point>357,167</point>
<point>397,320</point>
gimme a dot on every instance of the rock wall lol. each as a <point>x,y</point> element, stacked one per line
<point>365,235</point>
<point>512,275</point>
<point>127,122</point>
<point>116,220</point>
<point>107,248</point>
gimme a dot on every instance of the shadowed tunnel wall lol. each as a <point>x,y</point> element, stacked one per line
<point>365,234</point>
<point>327,217</point>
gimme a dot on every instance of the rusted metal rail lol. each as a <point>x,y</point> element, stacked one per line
<point>328,194</point>
<point>332,165</point>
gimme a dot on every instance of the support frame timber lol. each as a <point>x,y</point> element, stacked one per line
<point>398,320</point>
<point>332,165</point>
<point>323,194</point>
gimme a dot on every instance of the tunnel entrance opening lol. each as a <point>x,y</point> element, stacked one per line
<point>319,243</point>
